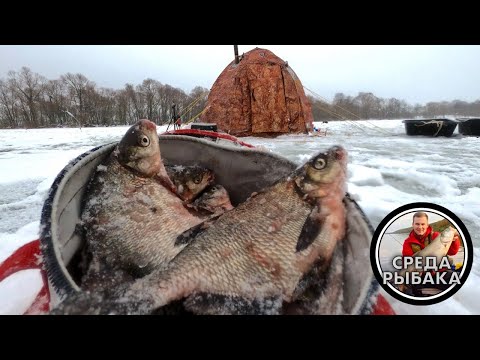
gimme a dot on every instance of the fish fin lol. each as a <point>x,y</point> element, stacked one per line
<point>311,283</point>
<point>188,235</point>
<point>319,292</point>
<point>311,229</point>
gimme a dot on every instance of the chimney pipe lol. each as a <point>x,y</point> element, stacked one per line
<point>235,48</point>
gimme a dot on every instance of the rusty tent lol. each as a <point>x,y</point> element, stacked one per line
<point>258,94</point>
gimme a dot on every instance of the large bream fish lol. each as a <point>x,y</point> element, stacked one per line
<point>131,218</point>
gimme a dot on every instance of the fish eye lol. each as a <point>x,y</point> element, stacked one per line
<point>197,180</point>
<point>319,163</point>
<point>144,140</point>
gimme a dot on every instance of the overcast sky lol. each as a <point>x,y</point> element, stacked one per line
<point>417,73</point>
<point>406,221</point>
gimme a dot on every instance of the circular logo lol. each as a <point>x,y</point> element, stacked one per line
<point>421,253</point>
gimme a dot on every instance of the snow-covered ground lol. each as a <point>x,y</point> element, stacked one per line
<point>387,169</point>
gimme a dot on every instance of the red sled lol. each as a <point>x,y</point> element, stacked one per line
<point>239,167</point>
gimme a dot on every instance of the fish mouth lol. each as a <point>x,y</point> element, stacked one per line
<point>339,152</point>
<point>210,178</point>
<point>187,196</point>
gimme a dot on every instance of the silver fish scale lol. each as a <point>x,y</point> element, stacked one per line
<point>133,221</point>
<point>243,254</point>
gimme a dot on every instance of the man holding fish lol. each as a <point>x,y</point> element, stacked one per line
<point>419,238</point>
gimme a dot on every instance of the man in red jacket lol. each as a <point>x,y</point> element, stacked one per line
<point>420,237</point>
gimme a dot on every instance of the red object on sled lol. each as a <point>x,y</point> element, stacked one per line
<point>382,307</point>
<point>207,133</point>
<point>28,257</point>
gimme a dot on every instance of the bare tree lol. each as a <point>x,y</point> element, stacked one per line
<point>322,111</point>
<point>28,87</point>
<point>54,102</point>
<point>121,108</point>
<point>475,108</point>
<point>135,108</point>
<point>8,109</point>
<point>369,105</point>
<point>345,106</point>
<point>149,92</point>
<point>77,85</point>
<point>198,101</point>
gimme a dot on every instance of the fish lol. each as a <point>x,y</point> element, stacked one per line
<point>139,151</point>
<point>212,203</point>
<point>214,199</point>
<point>130,219</point>
<point>320,291</point>
<point>189,181</point>
<point>251,259</point>
<point>438,248</point>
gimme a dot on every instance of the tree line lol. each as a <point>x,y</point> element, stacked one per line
<point>368,106</point>
<point>29,100</point>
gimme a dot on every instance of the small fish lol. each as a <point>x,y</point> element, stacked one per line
<point>131,221</point>
<point>212,203</point>
<point>252,258</point>
<point>214,199</point>
<point>189,181</point>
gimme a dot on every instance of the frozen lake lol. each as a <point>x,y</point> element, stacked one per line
<point>387,169</point>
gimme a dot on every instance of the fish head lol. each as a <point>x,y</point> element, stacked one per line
<point>139,148</point>
<point>323,174</point>
<point>215,192</point>
<point>215,197</point>
<point>191,181</point>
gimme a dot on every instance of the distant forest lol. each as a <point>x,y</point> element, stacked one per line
<point>29,100</point>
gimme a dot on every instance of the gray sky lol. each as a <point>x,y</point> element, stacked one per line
<point>415,73</point>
